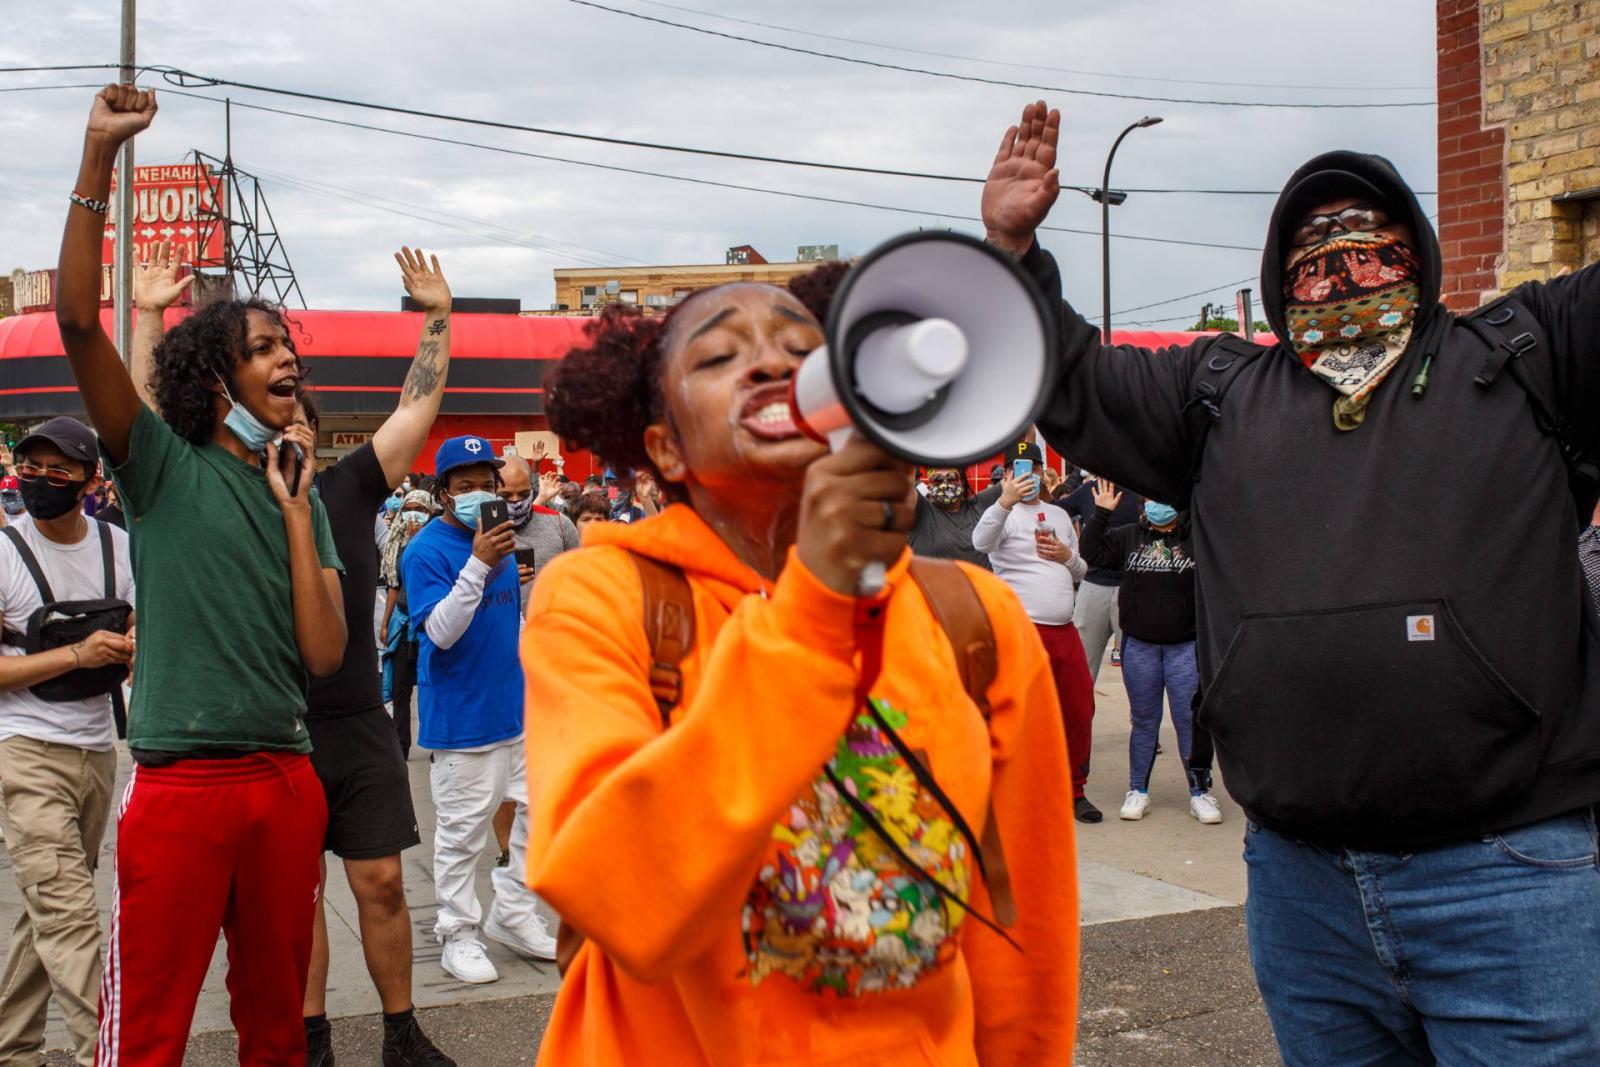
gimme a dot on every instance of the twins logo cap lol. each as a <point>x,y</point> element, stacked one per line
<point>466,451</point>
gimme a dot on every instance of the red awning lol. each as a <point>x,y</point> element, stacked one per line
<point>351,334</point>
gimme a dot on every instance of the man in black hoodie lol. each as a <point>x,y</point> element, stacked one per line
<point>1418,755</point>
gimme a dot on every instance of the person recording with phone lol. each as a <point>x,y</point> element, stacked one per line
<point>222,822</point>
<point>463,592</point>
<point>356,751</point>
<point>1033,547</point>
<point>542,533</point>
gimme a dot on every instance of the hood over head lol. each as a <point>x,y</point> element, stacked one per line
<point>1345,173</point>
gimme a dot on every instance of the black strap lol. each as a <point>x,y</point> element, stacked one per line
<point>119,712</point>
<point>1223,361</point>
<point>30,561</point>
<point>108,559</point>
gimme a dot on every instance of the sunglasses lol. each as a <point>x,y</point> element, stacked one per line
<point>945,479</point>
<point>56,476</point>
<point>1362,218</point>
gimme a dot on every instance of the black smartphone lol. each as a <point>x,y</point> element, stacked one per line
<point>526,557</point>
<point>492,514</point>
<point>290,458</point>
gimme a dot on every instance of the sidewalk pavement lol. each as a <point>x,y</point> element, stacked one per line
<point>1166,976</point>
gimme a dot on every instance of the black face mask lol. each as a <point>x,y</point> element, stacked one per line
<point>46,501</point>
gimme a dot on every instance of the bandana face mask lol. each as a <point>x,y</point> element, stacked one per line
<point>1350,302</point>
<point>945,494</point>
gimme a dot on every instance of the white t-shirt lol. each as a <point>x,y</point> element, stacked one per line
<point>1045,588</point>
<point>74,572</point>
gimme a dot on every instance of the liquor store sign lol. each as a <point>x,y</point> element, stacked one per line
<point>178,204</point>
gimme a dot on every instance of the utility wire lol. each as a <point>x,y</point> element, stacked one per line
<point>188,79</point>
<point>925,213</point>
<point>1185,296</point>
<point>993,81</point>
<point>1034,66</point>
<point>477,227</point>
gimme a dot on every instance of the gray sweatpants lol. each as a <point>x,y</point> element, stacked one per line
<point>1096,618</point>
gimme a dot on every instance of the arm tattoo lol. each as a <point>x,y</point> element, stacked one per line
<point>423,377</point>
<point>436,327</point>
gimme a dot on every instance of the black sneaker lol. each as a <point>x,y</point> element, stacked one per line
<point>408,1046</point>
<point>319,1047</point>
<point>1084,811</point>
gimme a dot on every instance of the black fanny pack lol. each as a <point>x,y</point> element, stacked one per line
<point>59,623</point>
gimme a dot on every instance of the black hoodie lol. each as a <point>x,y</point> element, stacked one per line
<point>1155,601</point>
<point>1391,655</point>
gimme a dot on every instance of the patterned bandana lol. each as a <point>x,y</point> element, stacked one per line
<point>1350,302</point>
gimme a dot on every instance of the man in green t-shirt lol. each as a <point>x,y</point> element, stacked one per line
<point>222,822</point>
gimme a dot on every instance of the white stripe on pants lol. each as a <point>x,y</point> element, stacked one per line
<point>468,788</point>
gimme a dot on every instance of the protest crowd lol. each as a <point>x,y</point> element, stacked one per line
<point>641,696</point>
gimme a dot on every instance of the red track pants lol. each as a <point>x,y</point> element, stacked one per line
<point>1075,690</point>
<point>207,845</point>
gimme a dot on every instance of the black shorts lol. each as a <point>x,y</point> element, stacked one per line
<point>358,759</point>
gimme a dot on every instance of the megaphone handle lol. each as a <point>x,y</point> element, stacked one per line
<point>873,577</point>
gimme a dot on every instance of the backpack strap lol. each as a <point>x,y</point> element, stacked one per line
<point>1208,383</point>
<point>108,558</point>
<point>955,603</point>
<point>1512,334</point>
<point>669,628</point>
<point>30,561</point>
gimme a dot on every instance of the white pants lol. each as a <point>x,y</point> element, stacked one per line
<point>468,788</point>
<point>1096,616</point>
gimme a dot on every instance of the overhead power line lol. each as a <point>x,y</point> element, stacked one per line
<point>1185,296</point>
<point>1035,66</point>
<point>994,81</point>
<point>188,79</point>
<point>765,190</point>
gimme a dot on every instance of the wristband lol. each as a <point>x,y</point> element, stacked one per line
<point>77,661</point>
<point>99,207</point>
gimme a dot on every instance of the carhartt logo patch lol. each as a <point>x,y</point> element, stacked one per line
<point>1419,627</point>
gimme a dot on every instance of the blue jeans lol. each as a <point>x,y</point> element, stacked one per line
<point>1483,952</point>
<point>1148,672</point>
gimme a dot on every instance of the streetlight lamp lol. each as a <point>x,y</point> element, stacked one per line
<point>1107,198</point>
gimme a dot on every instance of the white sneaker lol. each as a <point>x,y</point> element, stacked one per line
<point>1204,808</point>
<point>1134,805</point>
<point>465,960</point>
<point>531,939</point>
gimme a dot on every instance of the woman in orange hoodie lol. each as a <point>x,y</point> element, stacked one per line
<point>787,874</point>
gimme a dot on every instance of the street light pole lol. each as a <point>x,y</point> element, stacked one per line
<point>122,286</point>
<point>1105,227</point>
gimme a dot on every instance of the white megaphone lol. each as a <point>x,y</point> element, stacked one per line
<point>938,350</point>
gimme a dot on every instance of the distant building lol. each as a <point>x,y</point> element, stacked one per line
<point>584,290</point>
<point>8,301</point>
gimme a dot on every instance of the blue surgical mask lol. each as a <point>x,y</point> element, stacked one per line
<point>467,505</point>
<point>245,426</point>
<point>1159,514</point>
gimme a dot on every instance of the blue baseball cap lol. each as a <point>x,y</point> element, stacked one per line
<point>465,451</point>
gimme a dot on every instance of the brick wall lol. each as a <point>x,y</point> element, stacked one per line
<point>1472,197</point>
<point>1540,85</point>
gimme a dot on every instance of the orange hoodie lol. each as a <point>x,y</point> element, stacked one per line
<point>737,910</point>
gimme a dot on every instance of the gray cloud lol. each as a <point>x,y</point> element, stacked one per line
<point>558,64</point>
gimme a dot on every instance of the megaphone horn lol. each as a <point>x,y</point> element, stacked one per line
<point>937,349</point>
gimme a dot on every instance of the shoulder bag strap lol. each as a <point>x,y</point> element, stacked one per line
<point>669,628</point>
<point>30,561</point>
<point>955,603</point>
<point>108,558</point>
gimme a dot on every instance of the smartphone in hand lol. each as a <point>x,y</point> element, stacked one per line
<point>526,557</point>
<point>492,514</point>
<point>290,458</point>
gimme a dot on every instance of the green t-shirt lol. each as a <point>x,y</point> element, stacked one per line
<point>218,666</point>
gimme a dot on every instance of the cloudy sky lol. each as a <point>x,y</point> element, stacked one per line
<point>500,222</point>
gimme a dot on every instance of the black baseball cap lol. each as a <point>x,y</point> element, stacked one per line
<point>71,437</point>
<point>1028,450</point>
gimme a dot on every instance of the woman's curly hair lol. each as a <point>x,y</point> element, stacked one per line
<point>601,398</point>
<point>194,354</point>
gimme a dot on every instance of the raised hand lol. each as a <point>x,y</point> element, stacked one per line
<point>549,488</point>
<point>1023,183</point>
<point>156,285</point>
<point>423,279</point>
<point>119,112</point>
<point>1106,495</point>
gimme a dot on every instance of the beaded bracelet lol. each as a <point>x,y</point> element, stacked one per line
<point>99,207</point>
